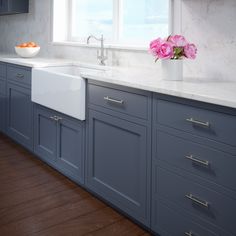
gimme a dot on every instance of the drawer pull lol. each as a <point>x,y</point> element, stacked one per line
<point>197,122</point>
<point>57,118</point>
<point>192,158</point>
<point>196,200</point>
<point>19,75</point>
<point>190,233</point>
<point>53,118</point>
<point>113,100</point>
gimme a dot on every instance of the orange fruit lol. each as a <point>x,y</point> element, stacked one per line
<point>28,44</point>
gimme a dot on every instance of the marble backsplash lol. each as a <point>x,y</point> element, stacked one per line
<point>210,24</point>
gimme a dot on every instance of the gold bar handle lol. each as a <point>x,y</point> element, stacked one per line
<point>194,159</point>
<point>197,200</point>
<point>197,122</point>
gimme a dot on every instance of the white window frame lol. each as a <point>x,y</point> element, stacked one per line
<point>175,22</point>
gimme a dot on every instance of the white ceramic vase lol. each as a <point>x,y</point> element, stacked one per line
<point>172,70</point>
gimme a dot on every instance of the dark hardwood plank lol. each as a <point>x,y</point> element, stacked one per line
<point>123,227</point>
<point>13,186</point>
<point>83,224</point>
<point>42,190</point>
<point>50,218</point>
<point>37,200</point>
<point>38,206</point>
<point>28,172</point>
<point>16,165</point>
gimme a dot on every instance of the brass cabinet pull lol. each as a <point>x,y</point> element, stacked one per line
<point>197,122</point>
<point>194,159</point>
<point>113,100</point>
<point>197,200</point>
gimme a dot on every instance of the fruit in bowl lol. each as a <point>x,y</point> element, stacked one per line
<point>29,49</point>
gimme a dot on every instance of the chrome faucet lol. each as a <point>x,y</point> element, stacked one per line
<point>102,56</point>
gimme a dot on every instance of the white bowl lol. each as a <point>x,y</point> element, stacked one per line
<point>27,52</point>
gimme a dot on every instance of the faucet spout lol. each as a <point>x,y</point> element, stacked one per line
<point>100,56</point>
<point>92,36</point>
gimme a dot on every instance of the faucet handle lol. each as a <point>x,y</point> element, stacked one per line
<point>102,57</point>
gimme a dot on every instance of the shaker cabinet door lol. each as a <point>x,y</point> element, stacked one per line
<point>70,154</point>
<point>118,163</point>
<point>45,133</point>
<point>19,115</point>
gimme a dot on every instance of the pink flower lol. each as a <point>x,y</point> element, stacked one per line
<point>166,51</point>
<point>155,46</point>
<point>178,40</point>
<point>190,51</point>
<point>174,47</point>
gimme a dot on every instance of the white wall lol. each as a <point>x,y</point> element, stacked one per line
<point>210,24</point>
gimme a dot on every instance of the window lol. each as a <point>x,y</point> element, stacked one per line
<point>91,17</point>
<point>122,22</point>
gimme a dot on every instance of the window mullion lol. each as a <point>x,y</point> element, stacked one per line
<point>116,20</point>
<point>69,11</point>
<point>121,17</point>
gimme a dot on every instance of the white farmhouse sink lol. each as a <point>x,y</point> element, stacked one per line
<point>60,88</point>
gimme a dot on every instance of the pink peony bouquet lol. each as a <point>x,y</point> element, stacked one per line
<point>174,47</point>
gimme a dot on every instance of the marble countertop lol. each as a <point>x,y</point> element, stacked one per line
<point>34,62</point>
<point>210,91</point>
<point>214,92</point>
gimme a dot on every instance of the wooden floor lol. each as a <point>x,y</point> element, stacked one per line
<point>37,200</point>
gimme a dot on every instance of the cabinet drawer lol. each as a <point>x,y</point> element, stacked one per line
<point>202,202</point>
<point>2,87</point>
<point>213,125</point>
<point>118,100</point>
<point>3,70</point>
<point>168,222</point>
<point>200,160</point>
<point>19,74</point>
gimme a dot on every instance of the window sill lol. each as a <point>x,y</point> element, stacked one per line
<point>107,46</point>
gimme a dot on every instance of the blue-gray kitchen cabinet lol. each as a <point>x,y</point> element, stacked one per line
<point>118,165</point>
<point>3,6</point>
<point>2,97</point>
<point>60,141</point>
<point>71,147</point>
<point>8,7</point>
<point>20,114</point>
<point>45,134</point>
<point>193,159</point>
<point>2,113</point>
